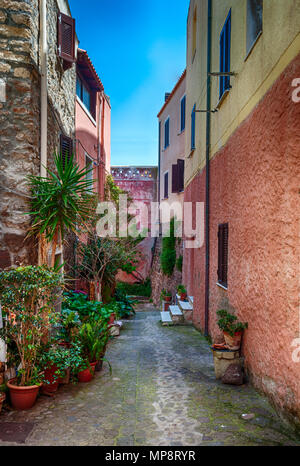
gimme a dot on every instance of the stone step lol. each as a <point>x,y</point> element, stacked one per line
<point>191,300</point>
<point>176,313</point>
<point>185,306</point>
<point>166,318</point>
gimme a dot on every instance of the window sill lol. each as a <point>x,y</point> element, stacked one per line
<point>252,46</point>
<point>222,98</point>
<point>86,110</point>
<point>222,286</point>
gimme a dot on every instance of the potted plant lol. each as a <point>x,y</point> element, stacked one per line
<point>68,327</point>
<point>166,296</point>
<point>93,337</point>
<point>56,361</point>
<point>28,296</point>
<point>182,292</point>
<point>232,328</point>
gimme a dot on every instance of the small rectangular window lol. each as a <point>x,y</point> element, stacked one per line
<point>254,21</point>
<point>167,133</point>
<point>193,127</point>
<point>223,255</point>
<point>182,113</point>
<point>180,171</point>
<point>166,187</point>
<point>225,47</point>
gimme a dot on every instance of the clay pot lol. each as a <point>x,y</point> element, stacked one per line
<point>167,305</point>
<point>168,299</point>
<point>53,382</point>
<point>183,296</point>
<point>22,397</point>
<point>86,375</point>
<point>233,342</point>
<point>112,318</point>
<point>2,399</point>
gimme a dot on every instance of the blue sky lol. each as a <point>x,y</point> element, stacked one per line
<point>138,48</point>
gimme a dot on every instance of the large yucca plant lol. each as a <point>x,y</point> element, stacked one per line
<point>60,201</point>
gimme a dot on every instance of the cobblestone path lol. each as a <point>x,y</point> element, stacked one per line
<point>162,392</point>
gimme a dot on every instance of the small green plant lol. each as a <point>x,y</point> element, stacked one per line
<point>165,294</point>
<point>62,359</point>
<point>229,323</point>
<point>93,338</point>
<point>181,289</point>
<point>179,263</point>
<point>136,289</point>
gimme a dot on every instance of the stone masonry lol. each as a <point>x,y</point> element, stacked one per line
<point>158,279</point>
<point>20,66</point>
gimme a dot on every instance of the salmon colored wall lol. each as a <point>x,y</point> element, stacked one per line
<point>255,188</point>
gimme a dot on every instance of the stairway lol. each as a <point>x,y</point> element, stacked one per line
<point>179,313</point>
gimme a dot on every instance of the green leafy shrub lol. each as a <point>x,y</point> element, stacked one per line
<point>136,289</point>
<point>179,263</point>
<point>168,253</point>
<point>28,297</point>
<point>229,322</point>
<point>62,358</point>
<point>86,310</point>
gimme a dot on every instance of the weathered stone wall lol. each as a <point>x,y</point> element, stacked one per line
<point>20,117</point>
<point>158,279</point>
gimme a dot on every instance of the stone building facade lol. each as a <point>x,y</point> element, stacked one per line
<point>20,114</point>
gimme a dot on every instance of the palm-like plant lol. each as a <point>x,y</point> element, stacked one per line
<point>60,201</point>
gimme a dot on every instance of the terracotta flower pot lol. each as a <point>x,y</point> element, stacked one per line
<point>233,342</point>
<point>112,318</point>
<point>168,299</point>
<point>22,397</point>
<point>2,399</point>
<point>183,296</point>
<point>86,375</point>
<point>53,382</point>
<point>167,305</point>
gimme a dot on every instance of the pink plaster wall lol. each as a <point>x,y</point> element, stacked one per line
<point>255,188</point>
<point>141,184</point>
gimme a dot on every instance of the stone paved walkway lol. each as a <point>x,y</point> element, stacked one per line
<point>162,392</point>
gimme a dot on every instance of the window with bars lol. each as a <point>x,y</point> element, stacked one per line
<point>193,127</point>
<point>66,39</point>
<point>254,21</point>
<point>182,113</point>
<point>167,133</point>
<point>225,47</point>
<point>66,148</point>
<point>223,255</point>
<point>89,166</point>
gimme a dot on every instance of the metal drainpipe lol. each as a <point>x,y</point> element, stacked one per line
<point>44,92</point>
<point>208,132</point>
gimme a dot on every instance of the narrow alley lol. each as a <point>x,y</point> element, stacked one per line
<point>162,391</point>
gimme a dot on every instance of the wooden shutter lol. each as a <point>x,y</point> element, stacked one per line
<point>66,148</point>
<point>175,178</point>
<point>193,128</point>
<point>223,254</point>
<point>66,38</point>
<point>180,171</point>
<point>166,191</point>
